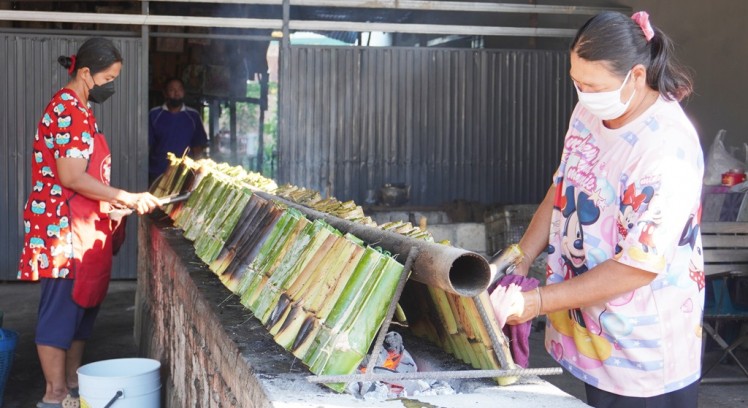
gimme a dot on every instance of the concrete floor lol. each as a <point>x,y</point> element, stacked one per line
<point>113,338</point>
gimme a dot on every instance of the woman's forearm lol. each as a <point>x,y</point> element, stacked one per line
<point>535,239</point>
<point>590,288</point>
<point>87,186</point>
<point>73,176</point>
<point>594,286</point>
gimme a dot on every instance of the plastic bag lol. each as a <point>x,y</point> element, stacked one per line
<point>719,160</point>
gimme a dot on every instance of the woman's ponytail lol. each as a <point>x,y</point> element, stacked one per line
<point>664,72</point>
<point>624,42</point>
<point>96,54</point>
<point>66,62</point>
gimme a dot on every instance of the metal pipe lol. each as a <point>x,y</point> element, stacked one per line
<point>284,84</point>
<point>233,133</point>
<point>68,33</point>
<point>455,270</point>
<point>208,36</point>
<point>263,77</point>
<point>434,375</point>
<point>143,90</point>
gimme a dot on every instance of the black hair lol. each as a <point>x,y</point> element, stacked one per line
<point>96,54</point>
<point>173,79</point>
<point>619,41</point>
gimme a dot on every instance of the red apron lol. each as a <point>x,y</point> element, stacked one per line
<point>92,233</point>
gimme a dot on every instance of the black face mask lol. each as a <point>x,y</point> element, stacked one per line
<point>173,103</point>
<point>100,93</point>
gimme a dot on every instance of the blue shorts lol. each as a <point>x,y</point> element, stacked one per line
<point>61,320</point>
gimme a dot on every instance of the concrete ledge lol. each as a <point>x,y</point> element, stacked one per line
<point>465,235</point>
<point>214,353</point>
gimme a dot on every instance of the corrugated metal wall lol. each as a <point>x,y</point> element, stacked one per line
<point>478,125</point>
<point>29,75</point>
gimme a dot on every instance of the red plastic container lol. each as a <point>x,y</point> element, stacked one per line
<point>732,177</point>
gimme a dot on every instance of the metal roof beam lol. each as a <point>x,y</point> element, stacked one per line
<point>272,24</point>
<point>317,25</point>
<point>310,25</point>
<point>467,6</point>
<point>139,19</point>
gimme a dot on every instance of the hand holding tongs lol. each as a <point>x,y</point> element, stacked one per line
<point>504,263</point>
<point>174,198</point>
<point>118,213</point>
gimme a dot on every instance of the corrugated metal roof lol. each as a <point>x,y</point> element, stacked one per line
<point>477,125</point>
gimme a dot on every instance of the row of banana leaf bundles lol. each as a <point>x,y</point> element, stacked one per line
<point>321,294</point>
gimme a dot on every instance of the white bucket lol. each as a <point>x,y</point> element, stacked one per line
<point>123,382</point>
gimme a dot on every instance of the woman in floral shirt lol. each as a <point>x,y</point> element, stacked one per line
<point>68,231</point>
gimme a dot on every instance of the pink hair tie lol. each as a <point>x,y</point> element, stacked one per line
<point>642,18</point>
<point>71,68</point>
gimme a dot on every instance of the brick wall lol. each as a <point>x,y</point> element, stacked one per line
<point>178,323</point>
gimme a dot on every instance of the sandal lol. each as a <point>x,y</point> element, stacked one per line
<point>71,401</point>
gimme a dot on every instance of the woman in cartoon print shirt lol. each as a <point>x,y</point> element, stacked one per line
<point>624,293</point>
<point>68,231</point>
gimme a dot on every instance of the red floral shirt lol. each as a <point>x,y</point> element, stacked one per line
<point>66,129</point>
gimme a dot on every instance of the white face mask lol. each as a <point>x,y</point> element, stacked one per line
<point>605,105</point>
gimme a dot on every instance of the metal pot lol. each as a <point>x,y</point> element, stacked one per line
<point>394,194</point>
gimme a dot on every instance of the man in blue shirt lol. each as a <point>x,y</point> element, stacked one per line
<point>173,127</point>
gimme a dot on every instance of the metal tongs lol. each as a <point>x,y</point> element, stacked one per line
<point>118,213</point>
<point>174,198</point>
<point>503,263</point>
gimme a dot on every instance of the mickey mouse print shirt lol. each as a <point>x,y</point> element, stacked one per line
<point>630,194</point>
<point>62,227</point>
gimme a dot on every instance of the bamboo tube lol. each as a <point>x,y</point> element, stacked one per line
<point>239,236</point>
<point>361,327</point>
<point>255,276</point>
<point>341,267</point>
<point>194,200</point>
<point>307,333</point>
<point>209,214</point>
<point>339,263</point>
<point>452,269</point>
<point>297,266</point>
<point>336,291</point>
<point>444,309</point>
<point>275,234</point>
<point>469,318</point>
<point>291,326</point>
<point>249,250</point>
